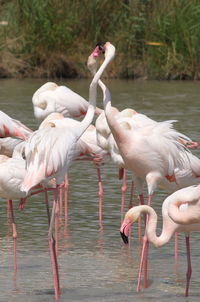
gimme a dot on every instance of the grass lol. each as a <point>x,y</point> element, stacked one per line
<point>52,38</point>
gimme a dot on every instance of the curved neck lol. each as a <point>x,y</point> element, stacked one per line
<point>168,227</point>
<point>117,131</point>
<point>93,94</point>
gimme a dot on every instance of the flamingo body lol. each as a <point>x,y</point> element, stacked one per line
<point>53,98</point>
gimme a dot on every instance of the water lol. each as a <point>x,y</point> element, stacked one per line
<point>95,266</point>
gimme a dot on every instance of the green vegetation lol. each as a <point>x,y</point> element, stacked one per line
<point>52,38</point>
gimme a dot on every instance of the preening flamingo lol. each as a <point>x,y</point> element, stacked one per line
<point>12,127</point>
<point>8,144</point>
<point>50,150</point>
<point>180,212</point>
<point>53,98</point>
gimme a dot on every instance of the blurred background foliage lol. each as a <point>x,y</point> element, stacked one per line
<point>154,39</point>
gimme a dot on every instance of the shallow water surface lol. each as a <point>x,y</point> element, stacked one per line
<point>95,266</point>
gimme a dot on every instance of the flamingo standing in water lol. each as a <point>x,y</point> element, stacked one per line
<point>51,98</point>
<point>12,172</point>
<point>155,153</point>
<point>180,212</point>
<point>86,148</point>
<point>49,152</point>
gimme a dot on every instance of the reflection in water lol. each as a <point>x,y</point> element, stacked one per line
<point>94,264</point>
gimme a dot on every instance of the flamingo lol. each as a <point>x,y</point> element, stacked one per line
<point>86,148</point>
<point>180,212</point>
<point>12,127</point>
<point>49,153</point>
<point>128,118</point>
<point>155,153</point>
<point>12,172</point>
<point>106,141</point>
<point>53,98</point>
<point>8,144</point>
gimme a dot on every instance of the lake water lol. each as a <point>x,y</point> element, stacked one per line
<point>94,264</point>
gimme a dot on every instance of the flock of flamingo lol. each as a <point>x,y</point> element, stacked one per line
<point>156,154</point>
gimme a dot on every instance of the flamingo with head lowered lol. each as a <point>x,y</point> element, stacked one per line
<point>180,212</point>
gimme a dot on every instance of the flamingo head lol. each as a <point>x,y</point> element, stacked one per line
<point>92,59</point>
<point>107,49</point>
<point>125,229</point>
<point>131,216</point>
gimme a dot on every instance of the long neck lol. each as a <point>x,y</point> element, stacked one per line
<point>168,227</point>
<point>93,95</point>
<point>118,132</point>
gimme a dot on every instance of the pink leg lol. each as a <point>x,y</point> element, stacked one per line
<point>52,248</point>
<point>123,191</point>
<point>47,205</point>
<point>14,233</point>
<point>66,192</point>
<point>131,197</point>
<point>146,250</point>
<point>100,194</point>
<point>56,226</point>
<point>176,249</point>
<point>142,257</point>
<point>140,202</point>
<point>189,265</point>
<point>61,198</point>
<point>22,203</point>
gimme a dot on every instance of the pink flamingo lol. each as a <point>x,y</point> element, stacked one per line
<point>50,151</point>
<point>12,127</point>
<point>12,172</point>
<point>86,148</point>
<point>180,212</point>
<point>155,153</point>
<point>53,98</point>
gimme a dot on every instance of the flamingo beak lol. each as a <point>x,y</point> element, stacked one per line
<point>100,45</point>
<point>124,230</point>
<point>124,238</point>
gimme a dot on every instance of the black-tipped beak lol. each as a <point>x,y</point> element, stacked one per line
<point>124,237</point>
<point>100,45</point>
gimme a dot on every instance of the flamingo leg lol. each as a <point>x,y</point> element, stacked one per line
<point>176,249</point>
<point>66,192</point>
<point>14,234</point>
<point>142,257</point>
<point>123,191</point>
<point>131,195</point>
<point>52,248</point>
<point>61,198</point>
<point>47,205</point>
<point>146,249</point>
<point>140,202</point>
<point>22,203</point>
<point>56,226</point>
<point>100,194</point>
<point>189,265</point>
